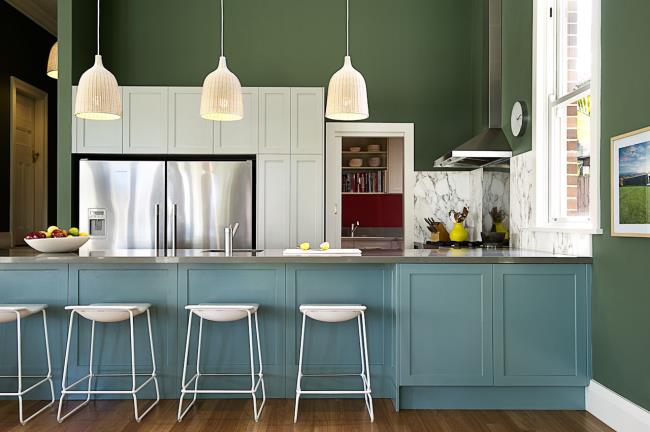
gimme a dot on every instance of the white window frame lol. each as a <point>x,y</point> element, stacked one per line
<point>544,75</point>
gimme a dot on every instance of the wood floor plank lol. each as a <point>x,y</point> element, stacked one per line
<point>316,415</point>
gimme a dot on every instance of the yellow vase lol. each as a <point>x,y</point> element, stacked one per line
<point>458,233</point>
<point>499,227</point>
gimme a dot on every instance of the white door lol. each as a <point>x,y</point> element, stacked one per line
<point>189,133</point>
<point>306,199</point>
<point>333,206</point>
<point>275,120</point>
<point>145,120</point>
<point>28,159</point>
<point>240,137</point>
<point>307,120</point>
<point>273,201</point>
<point>95,136</point>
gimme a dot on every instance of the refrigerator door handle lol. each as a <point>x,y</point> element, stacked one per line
<point>173,223</point>
<point>156,232</point>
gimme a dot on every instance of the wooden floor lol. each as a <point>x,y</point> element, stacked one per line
<point>331,415</point>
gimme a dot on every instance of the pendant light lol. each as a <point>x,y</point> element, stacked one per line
<point>98,95</point>
<point>53,61</point>
<point>347,98</point>
<point>221,97</point>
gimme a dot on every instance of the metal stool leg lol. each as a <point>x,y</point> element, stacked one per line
<point>134,389</point>
<point>256,412</point>
<point>259,357</point>
<point>298,390</point>
<point>181,412</point>
<point>64,388</point>
<point>371,410</point>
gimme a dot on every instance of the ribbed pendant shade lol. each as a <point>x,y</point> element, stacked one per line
<point>53,61</point>
<point>221,97</point>
<point>98,95</point>
<point>347,98</point>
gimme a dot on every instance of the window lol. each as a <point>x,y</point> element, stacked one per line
<point>566,89</point>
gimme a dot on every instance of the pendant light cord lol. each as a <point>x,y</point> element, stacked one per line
<point>347,27</point>
<point>97,27</point>
<point>222,28</point>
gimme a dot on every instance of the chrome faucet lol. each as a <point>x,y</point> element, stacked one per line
<point>354,228</point>
<point>229,233</point>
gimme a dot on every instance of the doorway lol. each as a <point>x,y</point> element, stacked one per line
<point>28,163</point>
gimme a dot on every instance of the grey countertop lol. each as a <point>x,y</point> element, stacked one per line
<point>275,256</point>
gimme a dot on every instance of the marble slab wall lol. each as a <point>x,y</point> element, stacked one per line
<point>438,192</point>
<point>523,234</point>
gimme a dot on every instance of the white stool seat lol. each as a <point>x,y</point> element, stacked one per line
<point>331,312</point>
<point>110,312</point>
<point>8,311</point>
<point>223,312</point>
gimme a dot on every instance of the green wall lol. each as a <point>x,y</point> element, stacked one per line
<point>621,293</point>
<point>517,67</point>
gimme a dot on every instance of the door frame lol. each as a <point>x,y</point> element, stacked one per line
<point>40,142</point>
<point>335,132</point>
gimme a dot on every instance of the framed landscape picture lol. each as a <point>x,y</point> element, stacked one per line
<point>631,184</point>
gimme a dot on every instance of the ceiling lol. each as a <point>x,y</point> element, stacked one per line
<point>42,12</point>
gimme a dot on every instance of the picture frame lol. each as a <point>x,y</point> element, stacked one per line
<point>630,184</point>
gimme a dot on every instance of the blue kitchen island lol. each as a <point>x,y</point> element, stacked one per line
<point>502,329</point>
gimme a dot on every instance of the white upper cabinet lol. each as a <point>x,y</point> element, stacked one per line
<point>95,136</point>
<point>273,201</point>
<point>240,137</point>
<point>189,133</point>
<point>307,120</point>
<point>145,119</point>
<point>306,199</point>
<point>275,120</point>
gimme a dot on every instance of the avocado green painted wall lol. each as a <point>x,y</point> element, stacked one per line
<point>621,292</point>
<point>517,66</point>
<point>64,110</point>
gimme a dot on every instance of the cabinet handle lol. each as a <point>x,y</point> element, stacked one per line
<point>336,209</point>
<point>156,233</point>
<point>174,219</point>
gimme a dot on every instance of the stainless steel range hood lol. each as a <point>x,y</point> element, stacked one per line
<point>490,147</point>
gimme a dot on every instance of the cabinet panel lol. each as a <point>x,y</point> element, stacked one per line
<point>188,132</point>
<point>446,325</point>
<point>307,120</point>
<point>145,119</point>
<point>540,325</point>
<point>95,136</point>
<point>275,120</point>
<point>306,199</point>
<point>240,137</point>
<point>273,201</point>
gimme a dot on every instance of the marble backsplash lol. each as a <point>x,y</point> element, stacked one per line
<point>438,192</point>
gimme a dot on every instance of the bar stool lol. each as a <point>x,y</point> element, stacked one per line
<point>109,313</point>
<point>222,313</point>
<point>18,312</point>
<point>335,314</point>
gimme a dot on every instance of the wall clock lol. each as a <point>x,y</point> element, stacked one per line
<point>519,118</point>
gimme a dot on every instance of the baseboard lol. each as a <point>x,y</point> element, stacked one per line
<point>5,240</point>
<point>614,410</point>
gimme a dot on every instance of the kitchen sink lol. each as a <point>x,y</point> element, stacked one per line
<point>235,250</point>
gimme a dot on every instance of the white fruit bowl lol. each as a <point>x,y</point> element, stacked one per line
<point>57,245</point>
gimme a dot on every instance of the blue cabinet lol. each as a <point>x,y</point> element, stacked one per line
<point>541,325</point>
<point>445,325</point>
<point>225,345</point>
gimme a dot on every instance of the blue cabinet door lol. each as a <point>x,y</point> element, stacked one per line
<point>225,346</point>
<point>334,347</point>
<point>33,283</point>
<point>115,283</point>
<point>541,325</point>
<point>445,325</point>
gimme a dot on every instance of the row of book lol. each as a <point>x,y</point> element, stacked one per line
<point>360,182</point>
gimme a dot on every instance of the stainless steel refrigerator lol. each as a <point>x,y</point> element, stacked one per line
<point>165,204</point>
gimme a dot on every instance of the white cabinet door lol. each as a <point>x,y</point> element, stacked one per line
<point>273,201</point>
<point>275,120</point>
<point>240,137</point>
<point>307,120</point>
<point>306,199</point>
<point>95,136</point>
<point>145,119</point>
<point>189,133</point>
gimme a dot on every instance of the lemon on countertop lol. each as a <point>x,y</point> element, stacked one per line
<point>324,246</point>
<point>304,246</point>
